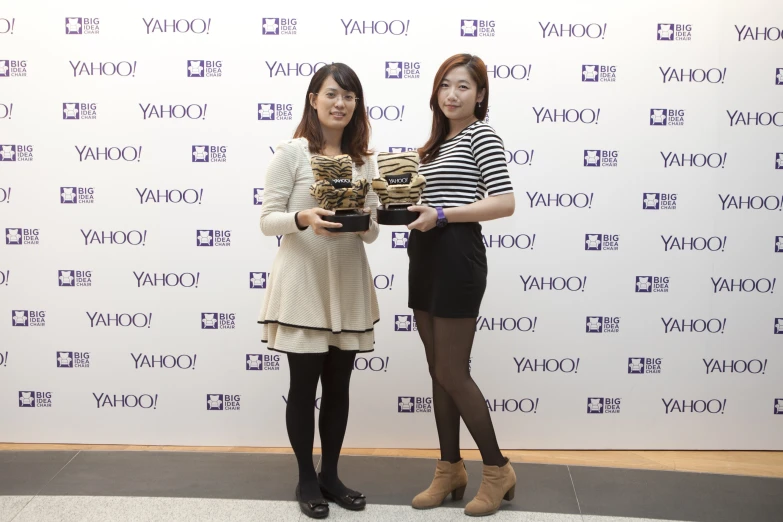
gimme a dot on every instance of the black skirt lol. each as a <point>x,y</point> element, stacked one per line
<point>447,274</point>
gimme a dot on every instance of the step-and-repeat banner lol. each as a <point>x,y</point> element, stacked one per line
<point>632,299</point>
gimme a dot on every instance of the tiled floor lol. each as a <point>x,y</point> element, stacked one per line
<point>168,486</point>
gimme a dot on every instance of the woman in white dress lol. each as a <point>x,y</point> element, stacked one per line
<point>320,306</point>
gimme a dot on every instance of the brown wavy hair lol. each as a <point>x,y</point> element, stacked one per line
<point>356,135</point>
<point>440,123</point>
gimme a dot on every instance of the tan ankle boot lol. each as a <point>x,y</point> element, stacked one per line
<point>449,478</point>
<point>497,483</point>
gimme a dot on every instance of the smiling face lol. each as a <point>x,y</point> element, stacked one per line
<point>335,106</point>
<point>458,95</point>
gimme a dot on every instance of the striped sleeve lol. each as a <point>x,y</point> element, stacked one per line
<point>490,156</point>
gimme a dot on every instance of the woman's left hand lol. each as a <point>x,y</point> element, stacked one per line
<point>427,219</point>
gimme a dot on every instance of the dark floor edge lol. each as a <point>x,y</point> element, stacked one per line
<point>385,480</point>
<point>318,455</point>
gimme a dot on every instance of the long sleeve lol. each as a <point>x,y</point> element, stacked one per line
<point>276,220</point>
<point>372,201</point>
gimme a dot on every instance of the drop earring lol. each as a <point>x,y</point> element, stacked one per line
<point>479,104</point>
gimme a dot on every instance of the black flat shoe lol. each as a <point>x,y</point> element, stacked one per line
<point>354,500</point>
<point>318,508</point>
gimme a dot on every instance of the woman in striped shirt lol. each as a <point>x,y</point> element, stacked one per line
<point>464,162</point>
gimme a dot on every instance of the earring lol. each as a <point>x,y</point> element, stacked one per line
<point>479,104</point>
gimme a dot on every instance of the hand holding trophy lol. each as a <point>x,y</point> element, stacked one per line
<point>335,189</point>
<point>399,186</point>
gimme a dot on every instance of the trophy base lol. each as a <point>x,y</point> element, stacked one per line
<point>396,215</point>
<point>351,221</point>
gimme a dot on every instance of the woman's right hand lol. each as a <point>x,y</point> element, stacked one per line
<point>312,218</point>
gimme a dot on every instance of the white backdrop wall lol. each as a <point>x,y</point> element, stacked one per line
<point>645,145</point>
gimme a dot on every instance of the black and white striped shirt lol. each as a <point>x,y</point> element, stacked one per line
<point>470,166</point>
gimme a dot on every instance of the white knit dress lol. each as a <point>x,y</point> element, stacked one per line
<point>321,291</point>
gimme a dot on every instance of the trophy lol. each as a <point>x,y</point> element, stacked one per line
<point>335,189</point>
<point>399,186</point>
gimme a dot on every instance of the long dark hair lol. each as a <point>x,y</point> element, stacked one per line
<point>356,135</point>
<point>440,123</point>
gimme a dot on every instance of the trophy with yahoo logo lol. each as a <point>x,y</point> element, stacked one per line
<point>398,186</point>
<point>335,189</point>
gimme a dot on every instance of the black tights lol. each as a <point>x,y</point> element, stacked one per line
<point>334,369</point>
<point>448,343</point>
